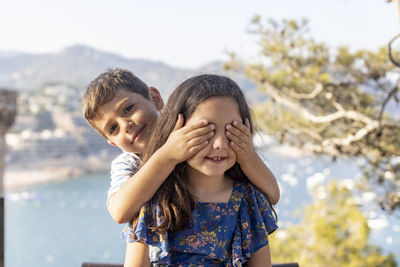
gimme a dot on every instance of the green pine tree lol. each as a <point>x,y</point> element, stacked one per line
<point>332,232</point>
<point>328,101</point>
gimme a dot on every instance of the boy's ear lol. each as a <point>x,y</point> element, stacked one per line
<point>156,98</point>
<point>111,143</point>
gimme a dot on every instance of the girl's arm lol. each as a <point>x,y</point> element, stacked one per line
<point>137,255</point>
<point>250,162</point>
<point>261,258</point>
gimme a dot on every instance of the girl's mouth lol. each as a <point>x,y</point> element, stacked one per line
<point>216,159</point>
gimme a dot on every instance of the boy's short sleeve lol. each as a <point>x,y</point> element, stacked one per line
<point>122,168</point>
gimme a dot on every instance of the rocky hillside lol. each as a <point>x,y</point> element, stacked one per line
<point>78,65</point>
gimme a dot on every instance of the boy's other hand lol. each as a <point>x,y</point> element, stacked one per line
<point>185,141</point>
<point>241,141</point>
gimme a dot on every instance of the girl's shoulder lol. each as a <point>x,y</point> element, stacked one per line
<point>255,222</point>
<point>248,191</point>
<point>254,205</point>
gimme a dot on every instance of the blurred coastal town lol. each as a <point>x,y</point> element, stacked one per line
<point>50,140</point>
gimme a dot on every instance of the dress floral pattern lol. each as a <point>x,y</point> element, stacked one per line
<point>219,234</point>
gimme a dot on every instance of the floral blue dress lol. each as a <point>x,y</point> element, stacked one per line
<point>219,234</point>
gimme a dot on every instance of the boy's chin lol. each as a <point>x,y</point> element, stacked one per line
<point>139,149</point>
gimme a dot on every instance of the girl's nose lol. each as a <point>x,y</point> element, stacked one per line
<point>220,142</point>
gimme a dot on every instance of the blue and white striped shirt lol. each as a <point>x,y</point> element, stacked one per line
<point>122,168</point>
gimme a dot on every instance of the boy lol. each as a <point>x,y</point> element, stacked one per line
<point>123,110</point>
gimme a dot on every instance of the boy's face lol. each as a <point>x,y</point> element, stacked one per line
<point>127,120</point>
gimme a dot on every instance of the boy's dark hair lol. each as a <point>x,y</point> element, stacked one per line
<point>104,88</point>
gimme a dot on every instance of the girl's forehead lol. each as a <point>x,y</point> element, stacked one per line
<point>217,109</point>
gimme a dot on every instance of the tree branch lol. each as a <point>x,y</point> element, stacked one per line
<point>395,62</point>
<point>311,95</point>
<point>298,131</point>
<point>360,134</point>
<point>391,94</point>
<point>341,113</point>
<point>330,145</point>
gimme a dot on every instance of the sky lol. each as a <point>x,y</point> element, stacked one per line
<point>185,33</point>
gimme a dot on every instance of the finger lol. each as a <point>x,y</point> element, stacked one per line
<point>195,125</point>
<point>237,132</point>
<point>238,142</point>
<point>244,128</point>
<point>247,123</point>
<point>194,149</point>
<point>235,147</point>
<point>200,131</point>
<point>200,139</point>
<point>179,122</point>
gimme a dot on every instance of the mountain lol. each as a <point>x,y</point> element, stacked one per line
<point>78,65</point>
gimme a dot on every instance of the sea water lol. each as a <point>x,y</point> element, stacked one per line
<point>66,223</point>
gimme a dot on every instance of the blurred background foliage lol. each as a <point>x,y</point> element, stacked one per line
<point>334,102</point>
<point>333,232</point>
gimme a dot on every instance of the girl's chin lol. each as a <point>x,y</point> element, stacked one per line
<point>213,173</point>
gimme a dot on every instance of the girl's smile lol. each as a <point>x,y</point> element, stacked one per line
<point>216,159</point>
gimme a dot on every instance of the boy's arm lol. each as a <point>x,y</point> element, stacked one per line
<point>250,162</point>
<point>261,176</point>
<point>260,258</point>
<point>137,254</point>
<point>182,143</point>
<point>126,202</point>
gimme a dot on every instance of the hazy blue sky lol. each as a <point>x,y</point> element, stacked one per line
<point>184,33</point>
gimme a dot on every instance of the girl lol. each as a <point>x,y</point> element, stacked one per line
<point>206,213</point>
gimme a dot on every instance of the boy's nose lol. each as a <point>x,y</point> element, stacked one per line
<point>128,126</point>
<point>220,142</point>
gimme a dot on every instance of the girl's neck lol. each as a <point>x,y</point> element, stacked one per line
<point>210,189</point>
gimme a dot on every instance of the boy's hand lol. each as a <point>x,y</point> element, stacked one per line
<point>241,141</point>
<point>185,141</point>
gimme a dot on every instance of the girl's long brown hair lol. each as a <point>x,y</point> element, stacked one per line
<point>173,201</point>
